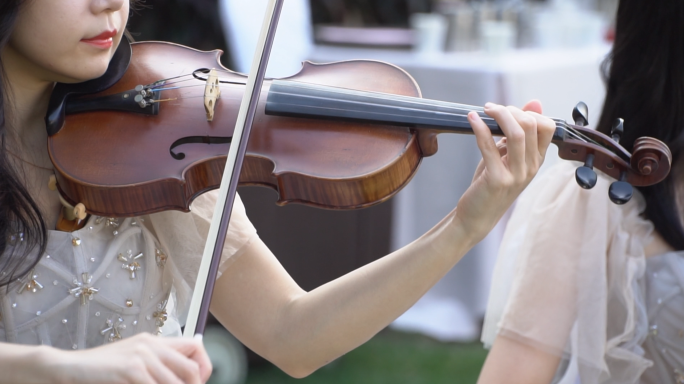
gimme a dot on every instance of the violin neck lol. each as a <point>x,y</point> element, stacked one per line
<point>298,99</point>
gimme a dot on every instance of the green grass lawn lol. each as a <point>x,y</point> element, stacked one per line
<point>391,358</point>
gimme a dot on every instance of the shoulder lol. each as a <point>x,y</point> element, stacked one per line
<point>174,225</point>
<point>203,210</point>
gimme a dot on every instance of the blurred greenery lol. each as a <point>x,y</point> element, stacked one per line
<point>390,358</point>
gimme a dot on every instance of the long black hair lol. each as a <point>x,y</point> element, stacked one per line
<point>23,233</point>
<point>645,86</point>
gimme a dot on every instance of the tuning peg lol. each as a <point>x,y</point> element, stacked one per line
<point>585,175</point>
<point>620,192</point>
<point>617,130</point>
<point>580,114</point>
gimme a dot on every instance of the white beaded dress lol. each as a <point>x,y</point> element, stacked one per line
<point>572,279</point>
<point>116,277</point>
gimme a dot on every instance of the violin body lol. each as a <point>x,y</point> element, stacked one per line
<point>119,164</point>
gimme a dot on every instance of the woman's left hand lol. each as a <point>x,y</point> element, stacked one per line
<point>507,167</point>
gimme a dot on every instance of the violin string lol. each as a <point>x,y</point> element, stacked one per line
<point>571,131</point>
<point>579,135</point>
<point>166,81</point>
<point>177,98</point>
<point>163,85</point>
<point>382,96</point>
<point>378,95</point>
<point>386,96</point>
<point>161,100</point>
<point>427,102</point>
<point>187,86</point>
<point>454,109</point>
<point>163,81</point>
<point>452,106</point>
<point>574,133</point>
<point>178,87</point>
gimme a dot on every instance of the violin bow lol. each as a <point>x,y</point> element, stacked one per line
<point>206,277</point>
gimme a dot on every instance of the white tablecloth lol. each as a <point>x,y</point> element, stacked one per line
<point>558,78</point>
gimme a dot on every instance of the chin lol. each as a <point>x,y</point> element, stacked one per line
<point>84,71</point>
<point>94,73</point>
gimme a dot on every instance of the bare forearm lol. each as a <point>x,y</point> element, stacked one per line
<point>339,316</point>
<point>308,330</point>
<point>25,364</point>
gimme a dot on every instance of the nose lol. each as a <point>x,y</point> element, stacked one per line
<point>99,6</point>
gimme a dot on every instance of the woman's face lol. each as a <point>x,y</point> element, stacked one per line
<point>68,40</point>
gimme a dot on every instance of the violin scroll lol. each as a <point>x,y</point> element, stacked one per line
<point>647,156</point>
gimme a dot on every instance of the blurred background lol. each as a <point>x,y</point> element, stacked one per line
<point>470,52</point>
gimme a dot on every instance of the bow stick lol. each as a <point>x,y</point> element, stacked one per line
<point>206,277</point>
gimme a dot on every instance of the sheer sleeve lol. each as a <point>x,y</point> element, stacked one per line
<point>567,279</point>
<point>182,237</point>
<point>240,231</point>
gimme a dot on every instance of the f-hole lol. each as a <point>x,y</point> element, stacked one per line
<point>196,140</point>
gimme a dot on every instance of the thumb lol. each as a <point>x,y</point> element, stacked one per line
<point>533,106</point>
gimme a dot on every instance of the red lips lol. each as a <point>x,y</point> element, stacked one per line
<point>103,40</point>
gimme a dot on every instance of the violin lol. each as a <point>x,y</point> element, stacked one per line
<point>152,134</point>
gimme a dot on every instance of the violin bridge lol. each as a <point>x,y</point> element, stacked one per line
<point>212,92</point>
